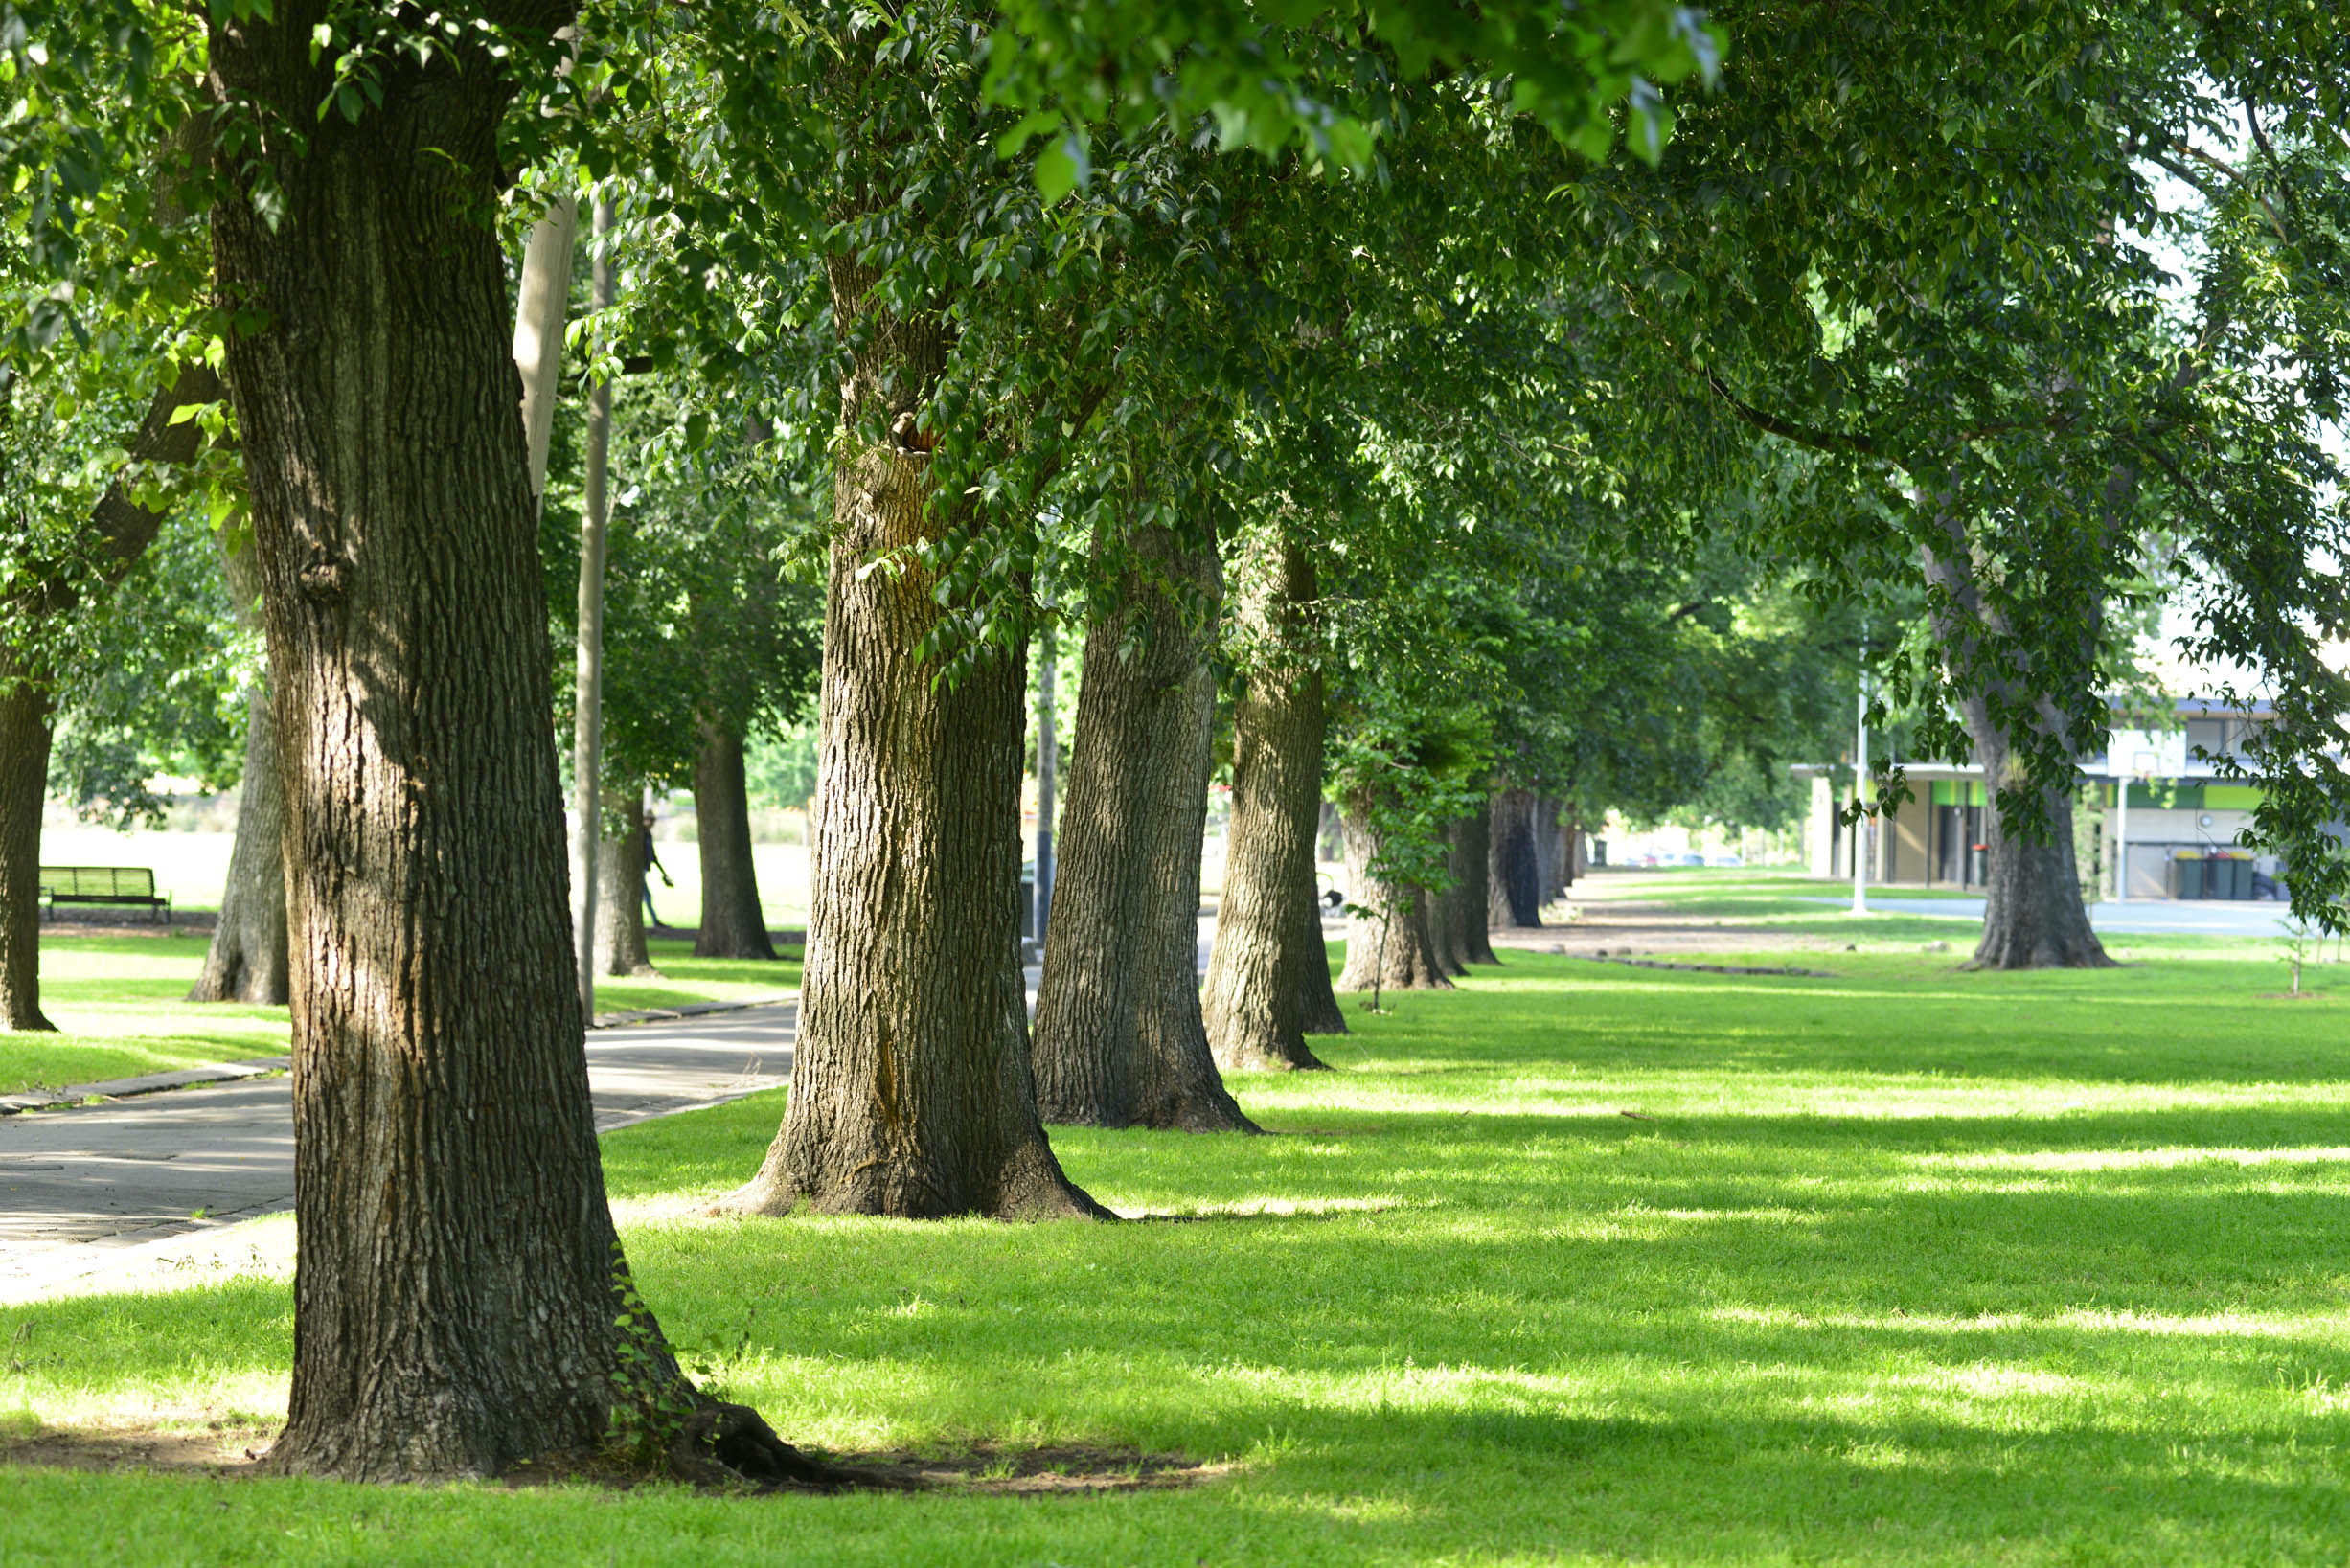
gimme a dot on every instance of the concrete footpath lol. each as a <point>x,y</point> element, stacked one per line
<point>93,1190</point>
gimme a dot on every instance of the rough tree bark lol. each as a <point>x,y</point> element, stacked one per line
<point>1515,895</point>
<point>734,924</point>
<point>461,1302</point>
<point>911,1089</point>
<point>246,961</point>
<point>620,892</point>
<point>1467,907</point>
<point>1269,934</point>
<point>120,532</point>
<point>1552,873</point>
<point>24,782</point>
<point>1443,936</point>
<point>1390,948</point>
<point>1120,1041</point>
<point>2033,917</point>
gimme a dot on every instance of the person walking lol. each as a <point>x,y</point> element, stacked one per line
<point>652,863</point>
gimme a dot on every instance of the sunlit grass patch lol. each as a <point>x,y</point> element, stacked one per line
<point>1906,1265</point>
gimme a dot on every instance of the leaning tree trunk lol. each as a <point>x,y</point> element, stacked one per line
<point>911,1089</point>
<point>23,784</point>
<point>1515,894</point>
<point>1119,1035</point>
<point>1268,931</point>
<point>620,894</point>
<point>733,923</point>
<point>246,961</point>
<point>2033,915</point>
<point>1389,947</point>
<point>1466,907</point>
<point>461,1302</point>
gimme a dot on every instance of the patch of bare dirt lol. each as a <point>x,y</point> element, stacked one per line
<point>223,1450</point>
<point>231,1452</point>
<point>1034,1472</point>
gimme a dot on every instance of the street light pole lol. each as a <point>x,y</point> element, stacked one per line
<point>2121,835</point>
<point>1859,786</point>
<point>1046,677</point>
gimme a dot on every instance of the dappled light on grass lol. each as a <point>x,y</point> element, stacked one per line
<point>1892,1270</point>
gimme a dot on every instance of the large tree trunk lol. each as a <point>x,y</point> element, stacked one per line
<point>911,1089</point>
<point>1119,1035</point>
<point>620,892</point>
<point>461,1302</point>
<point>23,784</point>
<point>2033,917</point>
<point>733,923</point>
<point>246,961</point>
<point>1515,895</point>
<point>1467,907</point>
<point>1268,931</point>
<point>1389,948</point>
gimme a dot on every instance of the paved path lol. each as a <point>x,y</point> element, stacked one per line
<point>2188,916</point>
<point>94,1193</point>
<point>80,1186</point>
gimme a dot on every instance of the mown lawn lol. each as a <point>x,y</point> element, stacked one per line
<point>121,1008</point>
<point>1903,1266</point>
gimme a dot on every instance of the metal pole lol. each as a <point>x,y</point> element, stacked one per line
<point>1860,788</point>
<point>1045,757</point>
<point>2121,835</point>
<point>587,739</point>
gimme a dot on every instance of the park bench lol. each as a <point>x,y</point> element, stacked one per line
<point>130,885</point>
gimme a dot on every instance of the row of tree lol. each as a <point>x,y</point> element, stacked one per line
<point>1445,441</point>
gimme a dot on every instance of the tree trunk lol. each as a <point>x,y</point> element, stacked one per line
<point>1268,936</point>
<point>1549,852</point>
<point>1443,937</point>
<point>1390,948</point>
<point>620,892</point>
<point>1119,1035</point>
<point>1317,1005</point>
<point>1515,895</point>
<point>2033,915</point>
<point>246,961</point>
<point>733,923</point>
<point>23,784</point>
<point>461,1302</point>
<point>911,1089</point>
<point>1467,907</point>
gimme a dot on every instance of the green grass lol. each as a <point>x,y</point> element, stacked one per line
<point>121,1008</point>
<point>685,979</point>
<point>1903,1266</point>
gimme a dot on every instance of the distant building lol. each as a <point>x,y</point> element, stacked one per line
<point>2178,826</point>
